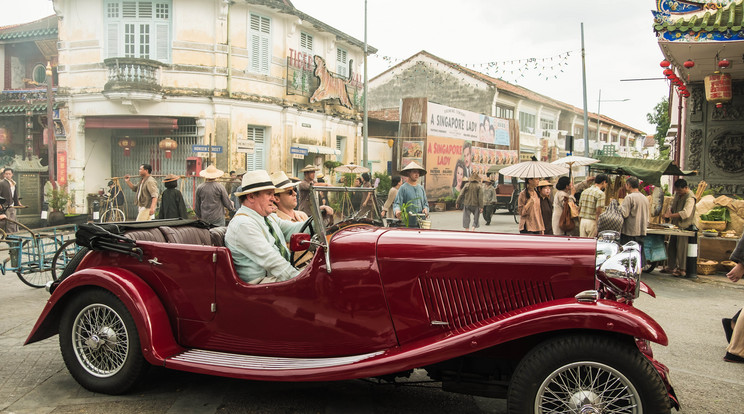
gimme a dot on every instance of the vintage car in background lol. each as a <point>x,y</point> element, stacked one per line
<point>546,322</point>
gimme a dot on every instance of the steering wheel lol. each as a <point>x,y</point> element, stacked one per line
<point>297,258</point>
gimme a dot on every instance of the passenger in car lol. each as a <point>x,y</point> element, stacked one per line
<point>256,237</point>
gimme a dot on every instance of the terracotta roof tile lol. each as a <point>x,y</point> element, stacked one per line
<point>519,91</point>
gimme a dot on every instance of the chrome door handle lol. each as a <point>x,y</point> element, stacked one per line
<point>154,261</point>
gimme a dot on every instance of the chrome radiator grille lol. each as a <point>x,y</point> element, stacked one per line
<point>463,302</point>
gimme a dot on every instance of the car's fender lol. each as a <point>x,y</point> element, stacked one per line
<point>569,314</point>
<point>153,326</point>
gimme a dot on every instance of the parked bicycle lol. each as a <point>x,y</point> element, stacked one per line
<point>113,202</point>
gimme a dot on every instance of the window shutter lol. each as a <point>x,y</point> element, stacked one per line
<point>112,35</point>
<point>129,9</point>
<point>341,67</point>
<point>255,161</point>
<point>145,10</point>
<point>260,43</point>
<point>163,42</point>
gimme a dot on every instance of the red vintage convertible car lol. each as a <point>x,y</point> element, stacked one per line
<point>546,322</point>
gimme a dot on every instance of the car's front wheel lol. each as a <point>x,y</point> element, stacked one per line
<point>100,344</point>
<point>586,374</point>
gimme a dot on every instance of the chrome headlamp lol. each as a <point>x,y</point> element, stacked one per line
<point>621,272</point>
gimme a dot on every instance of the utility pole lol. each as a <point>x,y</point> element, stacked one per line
<point>586,111</point>
<point>50,125</point>
<point>365,147</point>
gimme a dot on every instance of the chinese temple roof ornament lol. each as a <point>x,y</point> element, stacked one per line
<point>699,21</point>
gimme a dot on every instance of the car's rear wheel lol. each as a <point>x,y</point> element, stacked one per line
<point>589,374</point>
<point>100,344</point>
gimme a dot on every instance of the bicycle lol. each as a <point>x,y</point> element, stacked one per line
<point>111,213</point>
<point>421,221</point>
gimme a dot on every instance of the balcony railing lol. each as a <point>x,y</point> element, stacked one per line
<point>133,74</point>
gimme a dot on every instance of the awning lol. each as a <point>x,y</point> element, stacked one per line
<point>318,149</point>
<point>130,122</point>
<point>650,171</point>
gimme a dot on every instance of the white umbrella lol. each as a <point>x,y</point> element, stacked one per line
<point>574,161</point>
<point>351,168</point>
<point>533,169</point>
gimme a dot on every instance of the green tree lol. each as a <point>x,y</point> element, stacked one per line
<point>660,117</point>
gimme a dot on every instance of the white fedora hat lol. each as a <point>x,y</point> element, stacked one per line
<point>282,182</point>
<point>211,172</point>
<point>256,180</point>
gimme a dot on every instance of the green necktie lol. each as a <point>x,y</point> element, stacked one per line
<point>282,248</point>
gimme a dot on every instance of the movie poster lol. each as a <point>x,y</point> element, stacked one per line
<point>445,167</point>
<point>412,151</point>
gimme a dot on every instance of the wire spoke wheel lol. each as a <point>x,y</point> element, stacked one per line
<point>587,387</point>
<point>113,215</point>
<point>35,279</point>
<point>100,340</point>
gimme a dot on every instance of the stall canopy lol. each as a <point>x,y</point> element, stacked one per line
<point>649,171</point>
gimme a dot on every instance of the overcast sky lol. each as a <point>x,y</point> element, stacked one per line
<point>618,36</point>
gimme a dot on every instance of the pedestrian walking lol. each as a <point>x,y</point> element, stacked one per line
<point>304,188</point>
<point>564,189</point>
<point>411,195</point>
<point>171,201</point>
<point>147,193</point>
<point>471,200</point>
<point>735,333</point>
<point>211,198</point>
<point>591,203</point>
<point>635,210</point>
<point>544,189</point>
<point>682,214</point>
<point>395,184</point>
<point>528,207</point>
<point>9,192</point>
<point>489,200</point>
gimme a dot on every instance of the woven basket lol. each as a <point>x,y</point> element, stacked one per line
<point>713,225</point>
<point>728,264</point>
<point>707,268</point>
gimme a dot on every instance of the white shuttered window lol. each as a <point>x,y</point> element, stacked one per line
<point>256,160</point>
<point>138,29</point>
<point>260,44</point>
<point>342,63</point>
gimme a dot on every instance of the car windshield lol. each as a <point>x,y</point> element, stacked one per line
<point>350,205</point>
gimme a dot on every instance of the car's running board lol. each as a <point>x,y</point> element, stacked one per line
<point>202,360</point>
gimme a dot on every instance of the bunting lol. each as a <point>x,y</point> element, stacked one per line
<point>513,70</point>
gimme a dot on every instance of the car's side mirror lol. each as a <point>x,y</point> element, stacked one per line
<point>299,242</point>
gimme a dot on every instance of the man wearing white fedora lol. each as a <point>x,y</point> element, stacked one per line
<point>412,193</point>
<point>303,193</point>
<point>211,198</point>
<point>256,237</point>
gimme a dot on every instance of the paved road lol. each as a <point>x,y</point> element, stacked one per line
<point>33,379</point>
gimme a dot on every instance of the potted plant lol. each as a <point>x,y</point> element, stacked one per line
<point>59,197</point>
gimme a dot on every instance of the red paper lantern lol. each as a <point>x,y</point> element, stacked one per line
<point>127,143</point>
<point>686,94</point>
<point>723,63</point>
<point>718,88</point>
<point>668,72</point>
<point>665,63</point>
<point>682,88</point>
<point>689,64</point>
<point>168,144</point>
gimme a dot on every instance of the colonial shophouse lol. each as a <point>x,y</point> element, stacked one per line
<point>538,123</point>
<point>180,84</point>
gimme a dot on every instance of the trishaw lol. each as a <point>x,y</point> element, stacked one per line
<point>38,256</point>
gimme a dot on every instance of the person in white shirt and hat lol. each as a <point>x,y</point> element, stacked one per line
<point>412,192</point>
<point>211,198</point>
<point>256,237</point>
<point>303,194</point>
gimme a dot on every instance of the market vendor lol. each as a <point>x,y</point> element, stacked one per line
<point>682,214</point>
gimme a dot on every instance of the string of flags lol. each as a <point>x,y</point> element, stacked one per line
<point>513,70</point>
